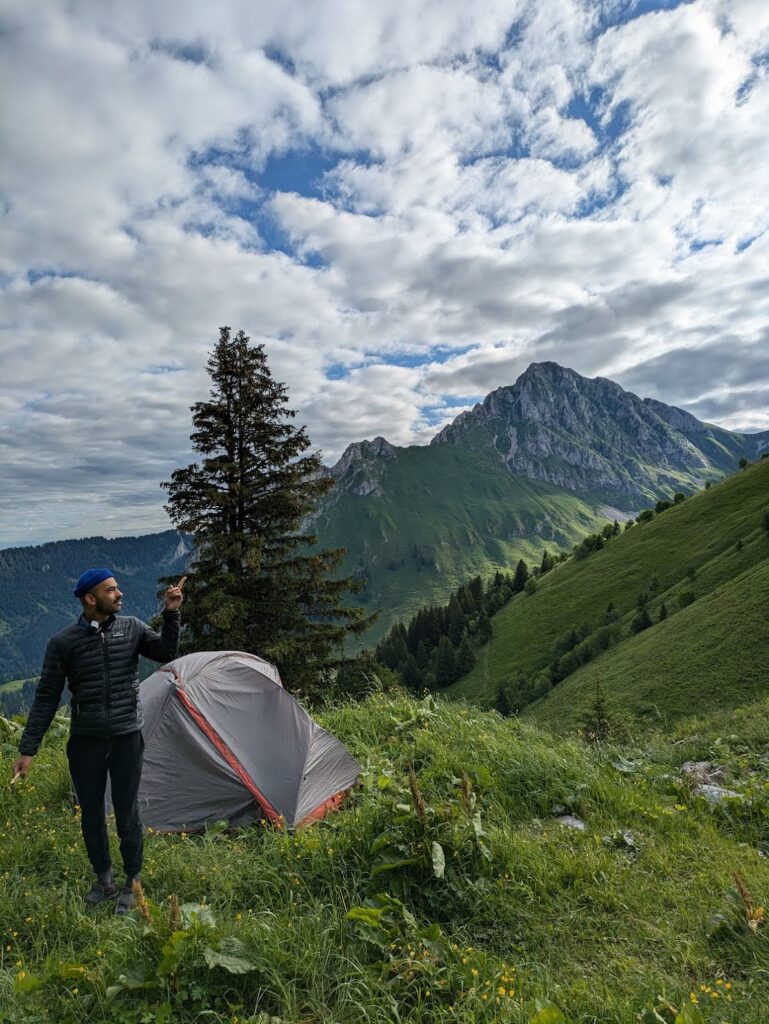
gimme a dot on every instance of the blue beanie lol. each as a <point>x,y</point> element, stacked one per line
<point>89,579</point>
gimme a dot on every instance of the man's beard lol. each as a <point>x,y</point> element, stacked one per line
<point>106,607</point>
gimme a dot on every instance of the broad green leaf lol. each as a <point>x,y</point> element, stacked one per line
<point>173,952</point>
<point>439,860</point>
<point>232,956</point>
<point>382,840</point>
<point>26,983</point>
<point>391,862</point>
<point>477,826</point>
<point>197,914</point>
<point>366,915</point>
<point>67,970</point>
<point>547,1013</point>
<point>690,1014</point>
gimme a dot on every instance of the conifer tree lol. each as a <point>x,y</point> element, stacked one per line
<point>445,663</point>
<point>521,576</point>
<point>465,658</point>
<point>256,582</point>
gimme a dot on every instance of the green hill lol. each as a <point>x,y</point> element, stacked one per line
<point>711,550</point>
<point>455,895</point>
<point>441,516</point>
<point>710,655</point>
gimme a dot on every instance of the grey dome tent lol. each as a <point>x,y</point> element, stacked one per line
<point>224,740</point>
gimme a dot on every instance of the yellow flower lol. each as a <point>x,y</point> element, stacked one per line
<point>501,991</point>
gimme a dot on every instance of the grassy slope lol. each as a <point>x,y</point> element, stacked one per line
<point>698,535</point>
<point>444,517</point>
<point>546,912</point>
<point>710,655</point>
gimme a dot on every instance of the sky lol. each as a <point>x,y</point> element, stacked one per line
<point>406,201</point>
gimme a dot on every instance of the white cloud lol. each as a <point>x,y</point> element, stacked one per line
<point>466,204</point>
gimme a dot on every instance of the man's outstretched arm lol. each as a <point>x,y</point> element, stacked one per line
<point>47,697</point>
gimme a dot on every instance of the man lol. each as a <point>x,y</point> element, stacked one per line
<point>99,657</point>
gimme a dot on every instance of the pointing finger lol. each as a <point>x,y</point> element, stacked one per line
<point>181,582</point>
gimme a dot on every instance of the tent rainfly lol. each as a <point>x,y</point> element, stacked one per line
<point>224,740</point>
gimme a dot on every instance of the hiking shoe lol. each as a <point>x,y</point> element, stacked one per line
<point>126,900</point>
<point>103,889</point>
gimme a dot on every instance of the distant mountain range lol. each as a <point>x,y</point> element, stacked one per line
<point>534,466</point>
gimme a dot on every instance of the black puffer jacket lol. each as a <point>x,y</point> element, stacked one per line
<point>102,669</point>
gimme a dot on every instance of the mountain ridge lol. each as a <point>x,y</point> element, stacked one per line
<point>584,435</point>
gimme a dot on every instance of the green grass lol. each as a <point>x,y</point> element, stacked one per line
<point>709,655</point>
<point>444,516</point>
<point>605,925</point>
<point>692,546</point>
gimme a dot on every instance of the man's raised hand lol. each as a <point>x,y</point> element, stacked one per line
<point>174,596</point>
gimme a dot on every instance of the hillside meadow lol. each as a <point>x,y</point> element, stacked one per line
<point>446,888</point>
<point>706,559</point>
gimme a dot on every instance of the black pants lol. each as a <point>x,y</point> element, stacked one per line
<point>90,758</point>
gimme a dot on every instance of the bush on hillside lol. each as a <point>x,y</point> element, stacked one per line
<point>593,542</point>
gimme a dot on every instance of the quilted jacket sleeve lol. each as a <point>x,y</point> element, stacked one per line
<point>47,697</point>
<point>162,646</point>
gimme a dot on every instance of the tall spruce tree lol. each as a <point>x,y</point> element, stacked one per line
<point>256,583</point>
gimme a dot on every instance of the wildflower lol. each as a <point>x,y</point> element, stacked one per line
<point>501,991</point>
<point>693,998</point>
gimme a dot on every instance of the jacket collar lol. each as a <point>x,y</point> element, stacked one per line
<point>95,627</point>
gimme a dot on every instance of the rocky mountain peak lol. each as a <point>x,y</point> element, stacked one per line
<point>582,434</point>
<point>361,452</point>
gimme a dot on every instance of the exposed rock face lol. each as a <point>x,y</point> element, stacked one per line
<point>587,436</point>
<point>677,418</point>
<point>360,467</point>
<point>584,435</point>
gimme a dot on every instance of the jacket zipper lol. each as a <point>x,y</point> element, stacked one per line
<point>106,680</point>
